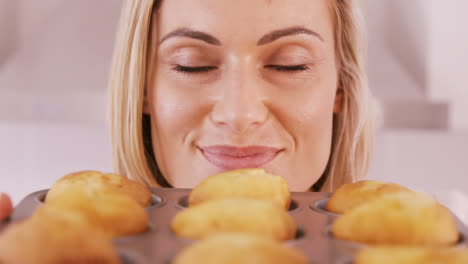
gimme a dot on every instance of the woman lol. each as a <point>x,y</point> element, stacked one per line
<point>203,86</point>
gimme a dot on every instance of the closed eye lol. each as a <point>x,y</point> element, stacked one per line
<point>288,68</point>
<point>186,69</point>
<point>281,68</point>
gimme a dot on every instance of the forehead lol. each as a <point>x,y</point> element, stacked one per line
<point>228,19</point>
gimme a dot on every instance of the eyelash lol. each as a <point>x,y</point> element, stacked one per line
<point>280,68</point>
<point>288,68</point>
<point>185,69</point>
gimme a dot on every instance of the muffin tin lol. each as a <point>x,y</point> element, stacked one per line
<point>160,245</point>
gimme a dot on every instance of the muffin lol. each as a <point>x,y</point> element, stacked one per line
<point>115,213</point>
<point>54,237</point>
<point>95,182</point>
<point>351,195</point>
<point>239,248</point>
<point>404,218</point>
<point>234,215</point>
<point>244,183</point>
<point>412,255</point>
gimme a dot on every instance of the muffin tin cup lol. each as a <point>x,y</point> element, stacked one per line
<point>319,206</point>
<point>130,257</point>
<point>160,245</point>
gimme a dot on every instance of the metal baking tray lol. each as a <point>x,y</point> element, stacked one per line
<point>160,245</point>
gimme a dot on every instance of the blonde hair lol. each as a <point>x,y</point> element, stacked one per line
<point>353,128</point>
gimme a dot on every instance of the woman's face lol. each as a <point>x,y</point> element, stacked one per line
<point>242,84</point>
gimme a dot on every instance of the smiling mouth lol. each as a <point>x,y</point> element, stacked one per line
<point>231,158</point>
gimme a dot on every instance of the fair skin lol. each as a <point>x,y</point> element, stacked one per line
<point>264,94</point>
<point>239,84</point>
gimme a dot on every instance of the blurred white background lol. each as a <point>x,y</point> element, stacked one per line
<point>54,63</point>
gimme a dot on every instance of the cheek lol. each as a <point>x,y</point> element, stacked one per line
<point>176,114</point>
<point>316,119</point>
<point>315,130</point>
<point>310,124</point>
<point>309,111</point>
<point>175,111</point>
<point>308,118</point>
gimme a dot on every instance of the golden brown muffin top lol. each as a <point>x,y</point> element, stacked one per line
<point>234,215</point>
<point>403,218</point>
<point>239,248</point>
<point>95,182</point>
<point>54,237</point>
<point>351,195</point>
<point>112,212</point>
<point>244,183</point>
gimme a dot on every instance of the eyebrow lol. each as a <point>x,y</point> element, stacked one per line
<point>185,32</point>
<point>268,38</point>
<point>276,34</point>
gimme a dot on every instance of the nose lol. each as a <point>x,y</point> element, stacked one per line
<point>241,104</point>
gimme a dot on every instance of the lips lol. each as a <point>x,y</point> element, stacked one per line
<point>231,158</point>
